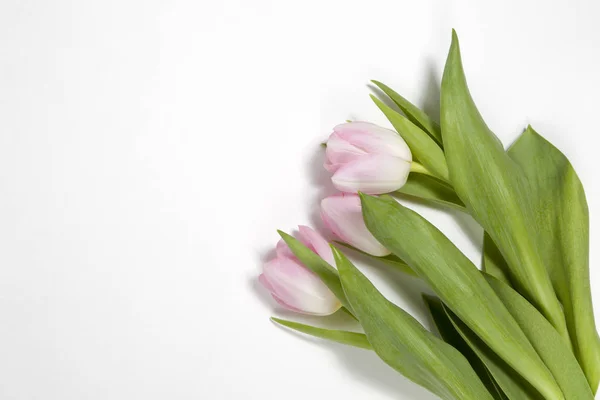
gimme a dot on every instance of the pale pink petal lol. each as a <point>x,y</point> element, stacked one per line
<point>372,139</point>
<point>283,250</point>
<point>265,282</point>
<point>295,286</point>
<point>343,215</point>
<point>339,151</point>
<point>373,174</point>
<point>316,243</point>
<point>331,167</point>
<point>282,303</point>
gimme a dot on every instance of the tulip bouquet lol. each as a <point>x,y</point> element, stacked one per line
<point>522,327</point>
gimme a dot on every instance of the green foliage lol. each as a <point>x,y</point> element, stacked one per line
<point>562,233</point>
<point>494,190</point>
<point>422,146</point>
<point>349,338</point>
<point>547,342</point>
<point>413,113</point>
<point>523,329</point>
<point>405,345</point>
<point>458,283</point>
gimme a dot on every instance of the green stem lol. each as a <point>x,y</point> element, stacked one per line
<point>420,169</point>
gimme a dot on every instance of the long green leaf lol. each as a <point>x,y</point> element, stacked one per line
<point>391,259</point>
<point>563,232</point>
<point>429,189</point>
<point>405,345</point>
<point>492,261</point>
<point>453,338</point>
<point>547,342</point>
<point>344,337</point>
<point>418,117</point>
<point>493,189</point>
<point>422,146</point>
<point>511,383</point>
<point>316,264</point>
<point>458,283</point>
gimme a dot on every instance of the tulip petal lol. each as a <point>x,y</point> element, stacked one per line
<point>372,174</point>
<point>265,282</point>
<point>340,151</point>
<point>298,289</point>
<point>373,139</point>
<point>316,243</point>
<point>343,215</point>
<point>282,250</point>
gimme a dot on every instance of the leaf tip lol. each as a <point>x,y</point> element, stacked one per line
<point>364,195</point>
<point>364,198</point>
<point>375,99</point>
<point>338,256</point>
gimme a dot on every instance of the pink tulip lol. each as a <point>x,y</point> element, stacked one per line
<point>310,239</point>
<point>293,285</point>
<point>343,215</point>
<point>367,158</point>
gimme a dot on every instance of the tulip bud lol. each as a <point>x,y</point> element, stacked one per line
<point>367,158</point>
<point>310,239</point>
<point>293,285</point>
<point>343,216</point>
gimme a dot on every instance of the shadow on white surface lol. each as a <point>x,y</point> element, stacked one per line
<point>365,367</point>
<point>320,179</point>
<point>469,227</point>
<point>432,91</point>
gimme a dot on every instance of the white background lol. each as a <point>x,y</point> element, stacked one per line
<point>150,149</point>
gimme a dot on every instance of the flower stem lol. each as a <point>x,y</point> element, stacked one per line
<point>420,169</point>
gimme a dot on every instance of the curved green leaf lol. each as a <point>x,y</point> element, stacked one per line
<point>391,259</point>
<point>453,338</point>
<point>493,189</point>
<point>405,345</point>
<point>429,189</point>
<point>547,342</point>
<point>458,283</point>
<point>422,146</point>
<point>492,261</point>
<point>511,383</point>
<point>562,220</point>
<point>344,337</point>
<point>414,114</point>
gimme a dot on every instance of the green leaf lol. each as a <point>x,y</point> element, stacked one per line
<point>511,383</point>
<point>405,345</point>
<point>391,260</point>
<point>453,338</point>
<point>344,337</point>
<point>316,264</point>
<point>493,263</point>
<point>414,114</point>
<point>493,188</point>
<point>423,187</point>
<point>562,221</point>
<point>458,283</point>
<point>423,147</point>
<point>547,342</point>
